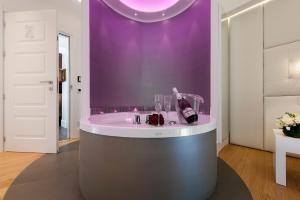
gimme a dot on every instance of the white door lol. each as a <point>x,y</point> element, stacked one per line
<point>31,82</point>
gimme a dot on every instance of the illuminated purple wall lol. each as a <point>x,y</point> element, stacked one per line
<point>132,61</point>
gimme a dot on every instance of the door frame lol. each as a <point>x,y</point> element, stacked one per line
<point>1,79</point>
<point>69,77</point>
<point>85,93</point>
<point>216,72</point>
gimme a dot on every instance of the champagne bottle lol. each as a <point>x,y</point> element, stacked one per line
<point>186,109</point>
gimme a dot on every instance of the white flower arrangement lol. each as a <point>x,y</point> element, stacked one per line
<point>290,124</point>
<point>288,120</point>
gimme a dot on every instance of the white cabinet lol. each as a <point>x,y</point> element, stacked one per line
<point>246,79</point>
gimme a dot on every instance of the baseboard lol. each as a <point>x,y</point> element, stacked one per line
<point>64,123</point>
<point>221,146</point>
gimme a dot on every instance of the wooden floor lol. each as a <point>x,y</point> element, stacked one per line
<point>255,168</point>
<point>12,164</point>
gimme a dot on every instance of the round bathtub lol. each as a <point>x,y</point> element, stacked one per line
<point>120,160</point>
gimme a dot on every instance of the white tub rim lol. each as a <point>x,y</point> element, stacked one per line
<point>206,124</point>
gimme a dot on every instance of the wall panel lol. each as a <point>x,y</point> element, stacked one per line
<point>281,70</point>
<point>282,64</point>
<point>246,79</point>
<point>282,24</point>
<point>274,108</point>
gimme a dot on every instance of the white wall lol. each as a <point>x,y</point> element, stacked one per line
<point>1,79</point>
<point>281,20</point>
<point>69,22</point>
<point>282,63</point>
<point>279,38</point>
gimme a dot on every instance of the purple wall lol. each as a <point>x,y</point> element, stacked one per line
<point>132,61</point>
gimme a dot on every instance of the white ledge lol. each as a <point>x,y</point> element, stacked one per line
<point>121,125</point>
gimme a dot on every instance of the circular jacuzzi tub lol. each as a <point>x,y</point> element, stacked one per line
<point>120,160</point>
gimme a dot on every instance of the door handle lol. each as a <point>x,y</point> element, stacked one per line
<point>49,82</point>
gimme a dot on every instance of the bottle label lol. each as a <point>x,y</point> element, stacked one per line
<point>188,112</point>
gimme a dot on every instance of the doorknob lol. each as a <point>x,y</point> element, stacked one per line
<point>49,82</point>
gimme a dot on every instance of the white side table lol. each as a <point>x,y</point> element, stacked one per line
<point>284,145</point>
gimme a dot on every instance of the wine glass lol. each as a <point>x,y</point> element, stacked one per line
<point>158,100</point>
<point>167,105</point>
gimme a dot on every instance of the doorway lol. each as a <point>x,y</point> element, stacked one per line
<point>64,86</point>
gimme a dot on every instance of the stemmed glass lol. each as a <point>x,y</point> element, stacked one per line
<point>167,105</point>
<point>158,100</point>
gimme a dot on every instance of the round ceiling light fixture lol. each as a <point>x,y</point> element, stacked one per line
<point>150,5</point>
<point>149,10</point>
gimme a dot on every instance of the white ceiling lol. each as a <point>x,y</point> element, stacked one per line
<point>229,5</point>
